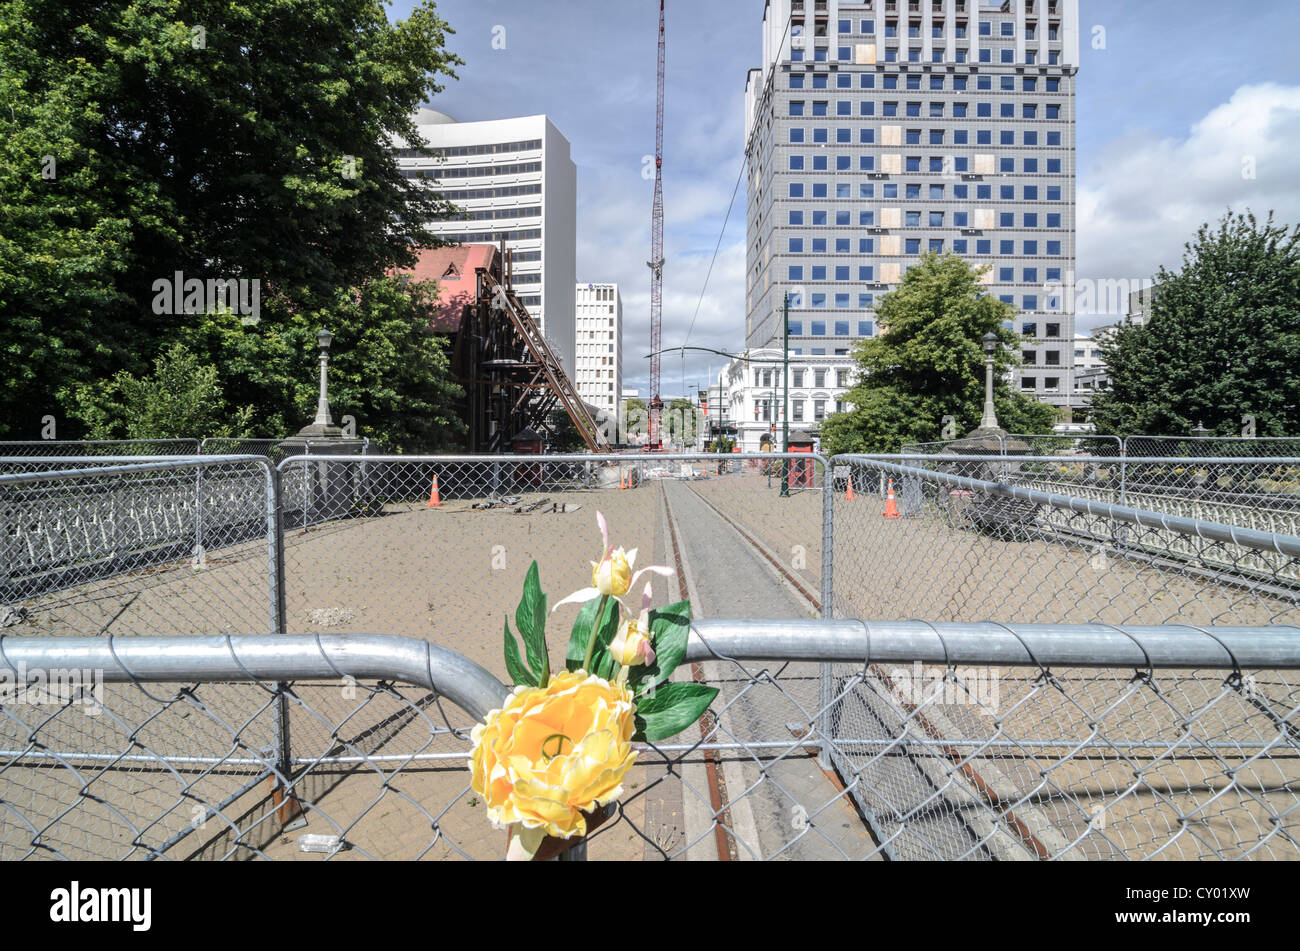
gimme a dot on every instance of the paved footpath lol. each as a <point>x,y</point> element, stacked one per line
<point>782,804</point>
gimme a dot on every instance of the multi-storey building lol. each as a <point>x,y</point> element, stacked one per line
<point>751,394</point>
<point>516,182</point>
<point>878,131</point>
<point>599,346</point>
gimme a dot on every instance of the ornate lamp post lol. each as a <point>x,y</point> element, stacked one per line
<point>323,340</point>
<point>990,420</point>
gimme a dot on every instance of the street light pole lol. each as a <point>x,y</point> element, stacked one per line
<point>990,420</point>
<point>323,339</point>
<point>785,397</point>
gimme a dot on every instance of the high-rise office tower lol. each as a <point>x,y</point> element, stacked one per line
<point>516,181</point>
<point>599,342</point>
<point>877,131</point>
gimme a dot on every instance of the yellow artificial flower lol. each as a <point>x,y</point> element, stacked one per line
<point>551,754</point>
<point>631,646</point>
<point>612,576</point>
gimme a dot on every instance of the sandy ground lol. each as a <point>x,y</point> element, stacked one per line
<point>450,575</point>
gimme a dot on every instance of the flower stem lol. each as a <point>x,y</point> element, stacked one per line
<point>595,628</point>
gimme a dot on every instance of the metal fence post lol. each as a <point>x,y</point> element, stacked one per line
<point>825,679</point>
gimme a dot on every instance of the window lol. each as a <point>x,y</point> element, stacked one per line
<point>842,218</point>
<point>1031,220</point>
<point>841,301</point>
<point>843,163</point>
<point>842,270</point>
<point>913,245</point>
<point>796,245</point>
<point>1006,137</point>
<point>845,26</point>
<point>1052,358</point>
<point>796,217</point>
<point>984,82</point>
<point>936,83</point>
<point>866,190</point>
<point>796,163</point>
<point>913,219</point>
<point>1006,274</point>
<point>1006,219</point>
<point>983,110</point>
<point>959,83</point>
<point>1006,165</point>
<point>866,273</point>
<point>891,82</point>
<point>1007,110</point>
<point>819,108</point>
<point>1006,247</point>
<point>913,136</point>
<point>1053,273</point>
<point>819,163</point>
<point>867,81</point>
<point>796,108</point>
<point>865,326</point>
<point>866,136</point>
<point>1028,383</point>
<point>819,270</point>
<point>986,54</point>
<point>986,27</point>
<point>961,219</point>
<point>959,245</point>
<point>1029,84</point>
<point>1053,248</point>
<point>796,272</point>
<point>1054,220</point>
<point>1053,85</point>
<point>819,328</point>
<point>1053,138</point>
<point>867,219</point>
<point>868,26</point>
<point>1053,192</point>
<point>1007,192</point>
<point>914,192</point>
<point>864,301</point>
<point>796,410</point>
<point>796,189</point>
<point>936,163</point>
<point>1053,166</point>
<point>844,81</point>
<point>1008,55</point>
<point>866,246</point>
<point>1031,247</point>
<point>844,136</point>
<point>936,245</point>
<point>983,136</point>
<point>891,55</point>
<point>936,193</point>
<point>819,190</point>
<point>914,109</point>
<point>818,217</point>
<point>1028,357</point>
<point>796,134</point>
<point>983,246</point>
<point>843,190</point>
<point>913,163</point>
<point>819,134</point>
<point>866,163</point>
<point>796,80</point>
<point>936,219</point>
<point>796,327</point>
<point>1030,302</point>
<point>959,112</point>
<point>1029,111</point>
<point>819,410</point>
<point>796,376</point>
<point>1031,166</point>
<point>936,136</point>
<point>867,107</point>
<point>1008,28</point>
<point>842,326</point>
<point>844,107</point>
<point>819,379</point>
<point>1053,111</point>
<point>1030,275</point>
<point>891,189</point>
<point>818,301</point>
<point>913,82</point>
<point>889,109</point>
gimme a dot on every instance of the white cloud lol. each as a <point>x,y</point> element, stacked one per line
<point>1143,200</point>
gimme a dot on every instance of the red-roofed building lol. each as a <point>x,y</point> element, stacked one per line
<point>452,269</point>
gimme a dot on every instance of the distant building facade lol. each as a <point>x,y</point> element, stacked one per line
<point>599,346</point>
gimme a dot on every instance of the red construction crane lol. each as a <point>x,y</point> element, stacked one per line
<point>656,261</point>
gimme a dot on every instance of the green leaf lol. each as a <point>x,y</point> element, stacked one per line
<point>669,629</point>
<point>519,674</point>
<point>530,617</point>
<point>577,651</point>
<point>672,708</point>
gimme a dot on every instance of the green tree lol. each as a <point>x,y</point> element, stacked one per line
<point>928,363</point>
<point>180,399</point>
<point>218,138</point>
<point>1222,340</point>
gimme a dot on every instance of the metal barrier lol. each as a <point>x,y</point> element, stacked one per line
<point>353,543</point>
<point>970,741</point>
<point>100,447</point>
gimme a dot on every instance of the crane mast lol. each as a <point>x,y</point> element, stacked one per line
<point>656,261</point>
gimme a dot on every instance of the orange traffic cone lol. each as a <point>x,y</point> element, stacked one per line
<point>849,496</point>
<point>622,481</point>
<point>891,507</point>
<point>434,500</point>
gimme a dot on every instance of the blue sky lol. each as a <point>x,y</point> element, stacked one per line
<point>1180,102</point>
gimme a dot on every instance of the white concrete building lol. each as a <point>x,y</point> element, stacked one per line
<point>599,345</point>
<point>516,182</point>
<point>752,395</point>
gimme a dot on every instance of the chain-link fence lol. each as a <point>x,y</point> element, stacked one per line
<point>955,741</point>
<point>67,448</point>
<point>816,748</point>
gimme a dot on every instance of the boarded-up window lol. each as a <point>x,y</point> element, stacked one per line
<point>983,164</point>
<point>983,217</point>
<point>889,245</point>
<point>891,218</point>
<point>891,273</point>
<point>891,135</point>
<point>865,54</point>
<point>891,163</point>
